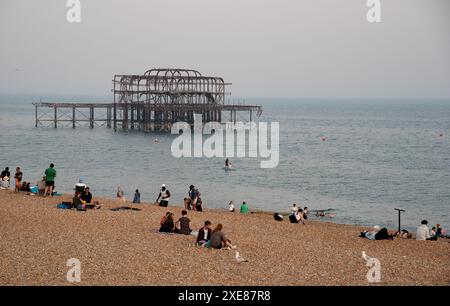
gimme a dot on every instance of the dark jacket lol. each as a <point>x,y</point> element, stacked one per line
<point>201,234</point>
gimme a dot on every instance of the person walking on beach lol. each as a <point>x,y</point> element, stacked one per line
<point>204,234</point>
<point>164,195</point>
<point>137,197</point>
<point>184,222</point>
<point>18,177</point>
<point>50,175</point>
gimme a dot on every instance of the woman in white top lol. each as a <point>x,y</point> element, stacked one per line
<point>231,206</point>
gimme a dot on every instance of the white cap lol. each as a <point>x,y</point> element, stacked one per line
<point>163,185</point>
<point>376,228</point>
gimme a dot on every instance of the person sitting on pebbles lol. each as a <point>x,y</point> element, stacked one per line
<point>184,222</point>
<point>219,240</point>
<point>297,217</point>
<point>204,234</point>
<point>167,224</point>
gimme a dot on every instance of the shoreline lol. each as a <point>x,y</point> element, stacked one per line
<point>125,248</point>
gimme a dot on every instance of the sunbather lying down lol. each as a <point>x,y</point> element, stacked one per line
<point>377,234</point>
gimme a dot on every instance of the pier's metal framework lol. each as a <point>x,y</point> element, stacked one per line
<point>151,102</point>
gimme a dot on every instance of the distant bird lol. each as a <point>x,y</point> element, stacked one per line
<point>240,259</point>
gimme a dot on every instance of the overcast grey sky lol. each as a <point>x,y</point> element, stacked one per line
<point>276,48</point>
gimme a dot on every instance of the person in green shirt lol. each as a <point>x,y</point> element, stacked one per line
<point>244,208</point>
<point>50,174</point>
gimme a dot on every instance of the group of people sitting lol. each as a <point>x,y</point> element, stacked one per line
<point>297,215</point>
<point>82,198</point>
<point>244,209</point>
<point>422,233</point>
<point>206,237</point>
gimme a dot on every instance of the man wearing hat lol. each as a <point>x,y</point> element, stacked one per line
<point>164,195</point>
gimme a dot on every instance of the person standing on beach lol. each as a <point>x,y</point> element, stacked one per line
<point>193,196</point>
<point>164,195</point>
<point>120,194</point>
<point>137,197</point>
<point>18,177</point>
<point>50,175</point>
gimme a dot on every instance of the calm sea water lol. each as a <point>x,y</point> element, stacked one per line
<point>378,156</point>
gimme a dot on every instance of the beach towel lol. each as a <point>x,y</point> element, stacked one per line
<point>64,205</point>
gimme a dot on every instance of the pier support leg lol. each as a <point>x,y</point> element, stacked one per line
<point>108,117</point>
<point>91,119</point>
<point>73,117</point>
<point>56,118</point>
<point>36,115</point>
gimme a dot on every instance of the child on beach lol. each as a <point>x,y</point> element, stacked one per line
<point>204,234</point>
<point>184,222</point>
<point>137,197</point>
<point>18,178</point>
<point>77,202</point>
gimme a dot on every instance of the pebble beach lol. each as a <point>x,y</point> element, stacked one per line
<point>125,248</point>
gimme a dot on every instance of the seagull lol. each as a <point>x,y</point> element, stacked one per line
<point>240,259</point>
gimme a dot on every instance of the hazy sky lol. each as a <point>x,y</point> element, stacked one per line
<point>276,48</point>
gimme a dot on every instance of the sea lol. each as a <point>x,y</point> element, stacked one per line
<point>359,159</point>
